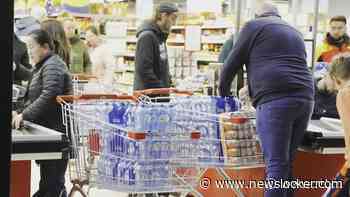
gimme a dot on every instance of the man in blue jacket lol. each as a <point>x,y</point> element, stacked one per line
<point>280,85</point>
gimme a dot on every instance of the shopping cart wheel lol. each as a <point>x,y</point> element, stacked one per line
<point>78,187</point>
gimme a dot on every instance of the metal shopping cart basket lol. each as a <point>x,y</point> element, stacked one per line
<point>89,84</point>
<point>228,138</point>
<point>110,150</point>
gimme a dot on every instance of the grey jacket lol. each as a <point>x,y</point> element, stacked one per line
<point>50,79</point>
<point>151,65</point>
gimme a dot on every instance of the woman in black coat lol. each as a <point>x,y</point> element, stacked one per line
<point>50,79</point>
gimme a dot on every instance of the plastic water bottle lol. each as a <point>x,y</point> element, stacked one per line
<point>101,170</point>
<point>165,150</point>
<point>139,176</point>
<point>113,115</point>
<point>130,174</point>
<point>123,166</point>
<point>108,169</point>
<point>129,116</point>
<point>220,105</point>
<point>155,150</point>
<point>139,118</point>
<point>164,119</point>
<point>148,179</point>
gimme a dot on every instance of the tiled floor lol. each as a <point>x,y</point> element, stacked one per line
<point>93,193</point>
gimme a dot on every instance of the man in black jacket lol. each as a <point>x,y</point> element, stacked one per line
<point>151,63</point>
<point>21,61</point>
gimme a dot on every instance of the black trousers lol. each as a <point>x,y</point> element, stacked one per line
<point>52,178</point>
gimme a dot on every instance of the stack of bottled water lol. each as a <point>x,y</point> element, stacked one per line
<point>199,113</point>
<point>145,164</point>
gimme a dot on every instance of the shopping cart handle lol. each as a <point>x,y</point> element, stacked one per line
<point>70,98</point>
<point>82,76</point>
<point>162,91</point>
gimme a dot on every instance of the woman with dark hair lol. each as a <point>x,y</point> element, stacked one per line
<point>59,38</point>
<point>50,78</point>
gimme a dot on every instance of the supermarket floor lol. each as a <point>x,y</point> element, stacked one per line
<point>93,193</point>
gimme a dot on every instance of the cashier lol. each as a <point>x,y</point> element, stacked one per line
<point>50,79</point>
<point>280,85</point>
<point>336,41</point>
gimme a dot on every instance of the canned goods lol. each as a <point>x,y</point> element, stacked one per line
<point>244,152</point>
<point>231,135</point>
<point>234,152</point>
<point>232,144</point>
<point>250,151</point>
<point>241,134</point>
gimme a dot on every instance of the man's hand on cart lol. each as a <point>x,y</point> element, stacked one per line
<point>17,120</point>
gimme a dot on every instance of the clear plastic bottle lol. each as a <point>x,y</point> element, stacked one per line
<point>140,176</point>
<point>101,170</point>
<point>139,117</point>
<point>121,172</point>
<point>164,119</point>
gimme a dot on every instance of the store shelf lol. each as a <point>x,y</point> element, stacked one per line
<point>131,39</point>
<point>130,69</point>
<point>207,57</point>
<point>125,83</point>
<point>129,54</point>
<point>178,27</point>
<point>176,41</point>
<point>213,41</point>
<point>216,27</point>
<point>132,28</point>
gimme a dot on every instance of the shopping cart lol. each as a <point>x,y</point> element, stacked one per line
<point>89,84</point>
<point>228,138</point>
<point>111,153</point>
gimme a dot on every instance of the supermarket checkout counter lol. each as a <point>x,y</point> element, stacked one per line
<point>319,157</point>
<point>33,142</point>
<point>324,136</point>
<point>321,154</point>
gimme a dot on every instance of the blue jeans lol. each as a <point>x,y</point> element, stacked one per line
<point>281,125</point>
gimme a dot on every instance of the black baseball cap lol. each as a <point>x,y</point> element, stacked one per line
<point>168,8</point>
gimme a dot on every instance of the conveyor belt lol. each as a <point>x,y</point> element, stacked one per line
<point>324,133</point>
<point>34,142</point>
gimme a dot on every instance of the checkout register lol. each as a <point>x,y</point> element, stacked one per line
<point>35,142</point>
<point>324,136</point>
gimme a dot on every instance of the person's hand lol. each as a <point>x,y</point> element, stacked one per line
<point>14,113</point>
<point>326,84</point>
<point>16,121</point>
<point>243,92</point>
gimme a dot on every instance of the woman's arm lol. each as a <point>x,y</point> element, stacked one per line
<point>52,86</point>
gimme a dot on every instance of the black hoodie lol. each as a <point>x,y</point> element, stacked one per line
<point>151,63</point>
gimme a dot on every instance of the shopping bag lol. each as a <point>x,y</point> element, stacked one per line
<point>344,176</point>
